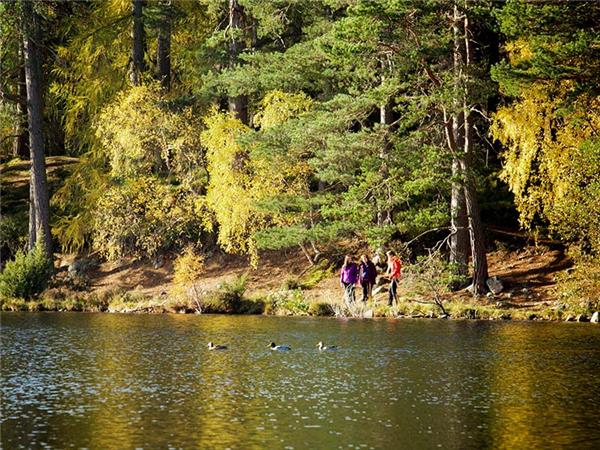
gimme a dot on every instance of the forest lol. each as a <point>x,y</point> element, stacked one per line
<point>177,130</point>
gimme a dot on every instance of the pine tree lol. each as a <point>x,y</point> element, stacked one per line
<point>39,217</point>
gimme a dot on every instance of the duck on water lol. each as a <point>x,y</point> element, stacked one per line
<point>281,348</point>
<point>212,346</point>
<point>323,347</point>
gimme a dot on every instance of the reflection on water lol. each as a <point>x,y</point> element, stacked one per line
<point>143,381</point>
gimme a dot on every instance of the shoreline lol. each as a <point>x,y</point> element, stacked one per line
<point>456,310</point>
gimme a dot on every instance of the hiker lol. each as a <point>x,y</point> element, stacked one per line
<point>348,278</point>
<point>367,275</point>
<point>394,271</point>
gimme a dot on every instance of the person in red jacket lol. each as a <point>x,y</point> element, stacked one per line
<point>394,271</point>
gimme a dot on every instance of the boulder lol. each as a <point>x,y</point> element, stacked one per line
<point>158,261</point>
<point>495,285</point>
<point>595,317</point>
<point>569,318</point>
<point>582,318</point>
<point>82,265</point>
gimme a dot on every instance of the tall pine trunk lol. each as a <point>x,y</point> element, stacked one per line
<point>459,241</point>
<point>478,253</point>
<point>163,52</point>
<point>21,142</point>
<point>459,136</point>
<point>39,218</point>
<point>238,105</point>
<point>138,49</point>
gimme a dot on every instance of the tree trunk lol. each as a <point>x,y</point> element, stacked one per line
<point>138,65</point>
<point>458,129</point>
<point>21,142</point>
<point>384,215</point>
<point>478,253</point>
<point>32,222</point>
<point>238,105</point>
<point>163,52</point>
<point>459,241</point>
<point>40,217</point>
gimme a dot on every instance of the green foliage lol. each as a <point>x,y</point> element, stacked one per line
<point>230,296</point>
<point>430,279</point>
<point>76,202</point>
<point>27,275</point>
<point>8,121</point>
<point>144,217</point>
<point>288,302</point>
<point>13,234</point>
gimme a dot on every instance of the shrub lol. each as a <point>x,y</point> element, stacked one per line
<point>27,275</point>
<point>230,295</point>
<point>70,281</point>
<point>579,288</point>
<point>287,302</point>
<point>291,283</point>
<point>144,217</point>
<point>188,267</point>
<point>322,270</point>
<point>320,309</point>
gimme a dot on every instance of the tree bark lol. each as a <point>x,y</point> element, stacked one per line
<point>478,253</point>
<point>459,137</point>
<point>40,216</point>
<point>459,240</point>
<point>384,215</point>
<point>138,49</point>
<point>163,52</point>
<point>238,105</point>
<point>21,142</point>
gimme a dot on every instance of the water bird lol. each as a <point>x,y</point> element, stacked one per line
<point>281,348</point>
<point>212,346</point>
<point>323,347</point>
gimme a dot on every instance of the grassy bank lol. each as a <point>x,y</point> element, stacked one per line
<point>283,303</point>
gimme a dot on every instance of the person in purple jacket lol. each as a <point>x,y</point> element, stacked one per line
<point>349,278</point>
<point>367,276</point>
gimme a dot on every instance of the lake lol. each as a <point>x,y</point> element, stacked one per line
<point>102,381</point>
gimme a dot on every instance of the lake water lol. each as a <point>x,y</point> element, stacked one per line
<point>102,381</point>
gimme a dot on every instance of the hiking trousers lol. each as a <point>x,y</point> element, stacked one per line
<point>392,292</point>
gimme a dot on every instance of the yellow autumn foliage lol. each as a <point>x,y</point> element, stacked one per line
<point>552,161</point>
<point>141,136</point>
<point>240,179</point>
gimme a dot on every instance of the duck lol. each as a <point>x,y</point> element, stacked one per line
<point>323,347</point>
<point>212,346</point>
<point>281,348</point>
